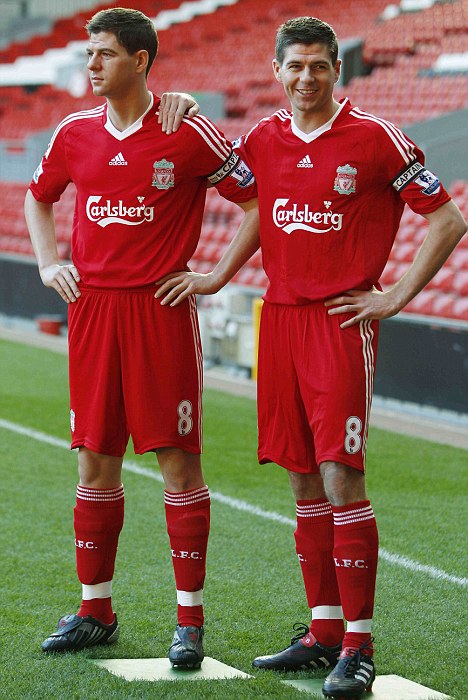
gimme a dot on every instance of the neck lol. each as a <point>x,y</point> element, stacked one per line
<point>310,121</point>
<point>125,112</point>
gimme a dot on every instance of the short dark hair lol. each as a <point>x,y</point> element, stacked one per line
<point>132,29</point>
<point>305,30</point>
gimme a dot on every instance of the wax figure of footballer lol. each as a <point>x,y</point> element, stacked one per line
<point>332,184</point>
<point>135,367</point>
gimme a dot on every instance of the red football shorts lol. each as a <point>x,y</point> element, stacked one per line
<point>315,383</point>
<point>135,369</point>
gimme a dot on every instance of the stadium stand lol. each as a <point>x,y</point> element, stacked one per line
<point>404,84</point>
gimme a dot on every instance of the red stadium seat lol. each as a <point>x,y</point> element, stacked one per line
<point>443,280</point>
<point>422,304</point>
<point>459,259</point>
<point>460,283</point>
<point>246,276</point>
<point>388,275</point>
<point>460,309</point>
<point>443,306</point>
<point>404,252</point>
<point>256,260</point>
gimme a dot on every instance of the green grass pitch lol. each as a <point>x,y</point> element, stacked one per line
<point>254,591</point>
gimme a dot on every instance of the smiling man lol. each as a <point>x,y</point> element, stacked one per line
<point>135,367</point>
<point>308,75</point>
<point>332,184</point>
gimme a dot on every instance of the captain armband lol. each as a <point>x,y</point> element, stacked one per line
<point>227,167</point>
<point>416,172</point>
<point>235,168</point>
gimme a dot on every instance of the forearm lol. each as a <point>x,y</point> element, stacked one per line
<point>59,276</point>
<point>244,244</point>
<point>445,231</point>
<point>446,228</point>
<point>41,226</point>
<point>177,286</point>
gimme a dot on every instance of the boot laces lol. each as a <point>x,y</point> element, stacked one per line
<point>351,662</point>
<point>300,630</point>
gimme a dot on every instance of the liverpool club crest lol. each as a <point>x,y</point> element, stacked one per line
<point>163,175</point>
<point>345,180</point>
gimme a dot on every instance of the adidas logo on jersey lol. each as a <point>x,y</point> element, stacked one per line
<point>118,160</point>
<point>305,163</point>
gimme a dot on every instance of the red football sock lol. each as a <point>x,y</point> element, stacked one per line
<point>99,608</point>
<point>188,527</point>
<point>356,554</point>
<point>99,515</point>
<point>314,547</point>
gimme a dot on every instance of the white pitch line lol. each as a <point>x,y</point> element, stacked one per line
<point>237,504</point>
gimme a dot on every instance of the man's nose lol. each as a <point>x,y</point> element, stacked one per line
<point>307,75</point>
<point>92,62</point>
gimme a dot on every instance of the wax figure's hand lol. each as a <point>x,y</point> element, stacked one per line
<point>62,278</point>
<point>177,286</point>
<point>365,305</point>
<point>173,108</point>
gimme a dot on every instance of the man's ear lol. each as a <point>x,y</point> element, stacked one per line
<point>141,60</point>
<point>276,70</point>
<point>337,70</point>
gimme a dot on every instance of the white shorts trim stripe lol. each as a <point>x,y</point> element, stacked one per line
<point>199,360</point>
<point>367,336</point>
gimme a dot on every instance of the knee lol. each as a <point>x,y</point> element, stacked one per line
<point>99,471</point>
<point>176,483</point>
<point>181,470</point>
<point>343,484</point>
<point>306,486</point>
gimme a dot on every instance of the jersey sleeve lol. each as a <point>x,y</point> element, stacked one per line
<point>51,177</point>
<point>406,170</point>
<point>223,167</point>
<point>420,188</point>
<point>241,147</point>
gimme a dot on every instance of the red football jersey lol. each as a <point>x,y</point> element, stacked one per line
<point>140,192</point>
<point>331,201</point>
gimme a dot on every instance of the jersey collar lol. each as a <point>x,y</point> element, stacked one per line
<point>307,138</point>
<point>121,135</point>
